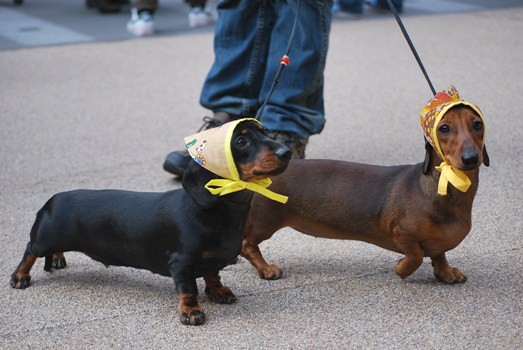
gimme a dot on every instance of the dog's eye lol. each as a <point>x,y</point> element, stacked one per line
<point>241,142</point>
<point>444,129</point>
<point>477,125</point>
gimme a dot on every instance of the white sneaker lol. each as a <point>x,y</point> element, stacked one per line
<point>198,17</point>
<point>141,24</point>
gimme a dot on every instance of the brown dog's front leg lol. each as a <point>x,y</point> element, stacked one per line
<point>412,260</point>
<point>444,272</point>
<point>217,292</point>
<point>252,253</point>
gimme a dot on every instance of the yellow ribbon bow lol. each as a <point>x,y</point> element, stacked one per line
<point>225,186</point>
<point>453,175</point>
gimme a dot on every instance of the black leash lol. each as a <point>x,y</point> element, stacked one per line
<point>284,62</point>
<point>411,45</point>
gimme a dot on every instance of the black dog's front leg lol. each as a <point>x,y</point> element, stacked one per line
<point>190,311</point>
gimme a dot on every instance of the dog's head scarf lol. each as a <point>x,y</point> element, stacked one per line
<point>211,149</point>
<point>430,117</point>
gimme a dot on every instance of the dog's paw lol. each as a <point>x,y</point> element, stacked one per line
<point>408,265</point>
<point>55,261</point>
<point>450,276</point>
<point>270,272</point>
<point>59,261</point>
<point>193,317</point>
<point>20,281</point>
<point>400,270</point>
<point>221,295</point>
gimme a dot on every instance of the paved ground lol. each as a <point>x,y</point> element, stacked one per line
<point>104,115</point>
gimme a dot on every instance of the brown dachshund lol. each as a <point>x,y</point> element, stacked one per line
<point>396,207</point>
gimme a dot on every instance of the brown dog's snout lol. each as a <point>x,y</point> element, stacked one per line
<point>470,158</point>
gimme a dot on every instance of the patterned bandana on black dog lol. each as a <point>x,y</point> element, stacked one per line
<point>211,149</point>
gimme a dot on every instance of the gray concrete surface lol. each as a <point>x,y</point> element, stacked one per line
<point>104,115</point>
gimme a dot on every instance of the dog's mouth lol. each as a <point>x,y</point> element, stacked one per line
<point>252,173</point>
<point>468,168</point>
<point>272,172</point>
<point>462,166</point>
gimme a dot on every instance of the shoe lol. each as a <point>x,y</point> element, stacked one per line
<point>177,162</point>
<point>295,142</point>
<point>199,17</point>
<point>141,23</point>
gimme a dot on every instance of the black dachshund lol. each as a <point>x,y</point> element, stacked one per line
<point>185,233</point>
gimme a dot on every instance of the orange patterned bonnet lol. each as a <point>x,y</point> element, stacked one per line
<point>430,117</point>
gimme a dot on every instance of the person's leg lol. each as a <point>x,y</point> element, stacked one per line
<point>247,54</point>
<point>198,15</point>
<point>196,3</point>
<point>106,6</point>
<point>142,21</point>
<point>241,43</point>
<point>147,5</point>
<point>296,105</point>
<point>233,83</point>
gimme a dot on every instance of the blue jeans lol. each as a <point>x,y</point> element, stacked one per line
<point>250,38</point>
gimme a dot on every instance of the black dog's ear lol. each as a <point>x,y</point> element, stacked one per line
<point>486,159</point>
<point>194,180</point>
<point>428,158</point>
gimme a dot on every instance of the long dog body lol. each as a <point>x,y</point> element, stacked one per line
<point>396,208</point>
<point>184,233</point>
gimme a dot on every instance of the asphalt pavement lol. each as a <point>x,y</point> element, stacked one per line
<point>101,109</point>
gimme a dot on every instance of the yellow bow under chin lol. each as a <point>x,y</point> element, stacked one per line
<point>453,175</point>
<point>225,186</point>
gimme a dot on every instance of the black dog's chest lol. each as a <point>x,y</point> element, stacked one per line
<point>214,261</point>
<point>214,245</point>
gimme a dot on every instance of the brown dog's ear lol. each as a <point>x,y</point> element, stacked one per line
<point>428,158</point>
<point>194,180</point>
<point>486,159</point>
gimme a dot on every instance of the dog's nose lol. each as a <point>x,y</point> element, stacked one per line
<point>470,158</point>
<point>284,153</point>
